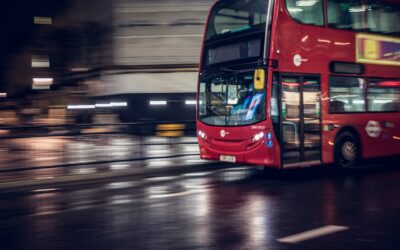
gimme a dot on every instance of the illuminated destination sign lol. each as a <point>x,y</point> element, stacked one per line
<point>375,49</point>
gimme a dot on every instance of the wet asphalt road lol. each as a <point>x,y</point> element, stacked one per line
<point>236,208</point>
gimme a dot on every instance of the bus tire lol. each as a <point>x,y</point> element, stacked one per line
<point>347,150</point>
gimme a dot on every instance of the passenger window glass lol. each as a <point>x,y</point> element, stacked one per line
<point>374,16</point>
<point>236,16</point>
<point>231,100</point>
<point>347,94</point>
<point>344,14</point>
<point>383,95</point>
<point>228,20</point>
<point>383,18</point>
<point>306,11</point>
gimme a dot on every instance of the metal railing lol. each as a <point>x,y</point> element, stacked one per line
<point>40,147</point>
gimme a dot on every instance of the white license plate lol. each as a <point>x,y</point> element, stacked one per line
<point>227,158</point>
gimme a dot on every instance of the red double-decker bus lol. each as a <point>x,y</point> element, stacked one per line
<point>292,83</point>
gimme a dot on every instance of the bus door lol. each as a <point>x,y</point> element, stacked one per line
<point>300,120</point>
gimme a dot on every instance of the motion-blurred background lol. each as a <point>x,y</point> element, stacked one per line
<point>99,61</point>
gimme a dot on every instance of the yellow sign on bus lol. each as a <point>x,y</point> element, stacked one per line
<point>375,49</point>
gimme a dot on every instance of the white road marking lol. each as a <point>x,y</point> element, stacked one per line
<point>44,178</point>
<point>45,190</point>
<point>310,234</point>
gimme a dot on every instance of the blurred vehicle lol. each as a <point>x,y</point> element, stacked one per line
<point>323,82</point>
<point>157,93</point>
<point>153,60</point>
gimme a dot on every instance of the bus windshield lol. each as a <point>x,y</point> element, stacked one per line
<point>230,100</point>
<point>231,16</point>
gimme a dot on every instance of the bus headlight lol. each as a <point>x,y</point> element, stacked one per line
<point>202,134</point>
<point>258,136</point>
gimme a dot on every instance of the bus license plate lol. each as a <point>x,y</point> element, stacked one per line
<point>227,158</point>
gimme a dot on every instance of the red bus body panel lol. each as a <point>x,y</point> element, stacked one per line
<point>237,142</point>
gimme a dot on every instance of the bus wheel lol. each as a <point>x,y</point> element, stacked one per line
<point>347,150</point>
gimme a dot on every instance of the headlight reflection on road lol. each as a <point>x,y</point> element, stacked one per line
<point>235,174</point>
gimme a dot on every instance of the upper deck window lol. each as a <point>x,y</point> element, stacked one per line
<point>231,16</point>
<point>345,14</point>
<point>367,16</point>
<point>306,11</point>
<point>383,18</point>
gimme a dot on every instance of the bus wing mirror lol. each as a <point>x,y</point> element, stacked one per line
<point>259,79</point>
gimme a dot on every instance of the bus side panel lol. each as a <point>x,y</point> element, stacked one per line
<point>377,133</point>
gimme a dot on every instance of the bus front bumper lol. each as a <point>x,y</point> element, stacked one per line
<point>262,155</point>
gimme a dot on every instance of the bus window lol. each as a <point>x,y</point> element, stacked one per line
<point>347,94</point>
<point>231,100</point>
<point>344,14</point>
<point>375,16</point>
<point>236,51</point>
<point>306,11</point>
<point>383,95</point>
<point>383,18</point>
<point>236,16</point>
<point>338,17</point>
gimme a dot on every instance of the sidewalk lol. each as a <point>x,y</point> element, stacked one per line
<point>64,150</point>
<point>89,174</point>
<point>54,161</point>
